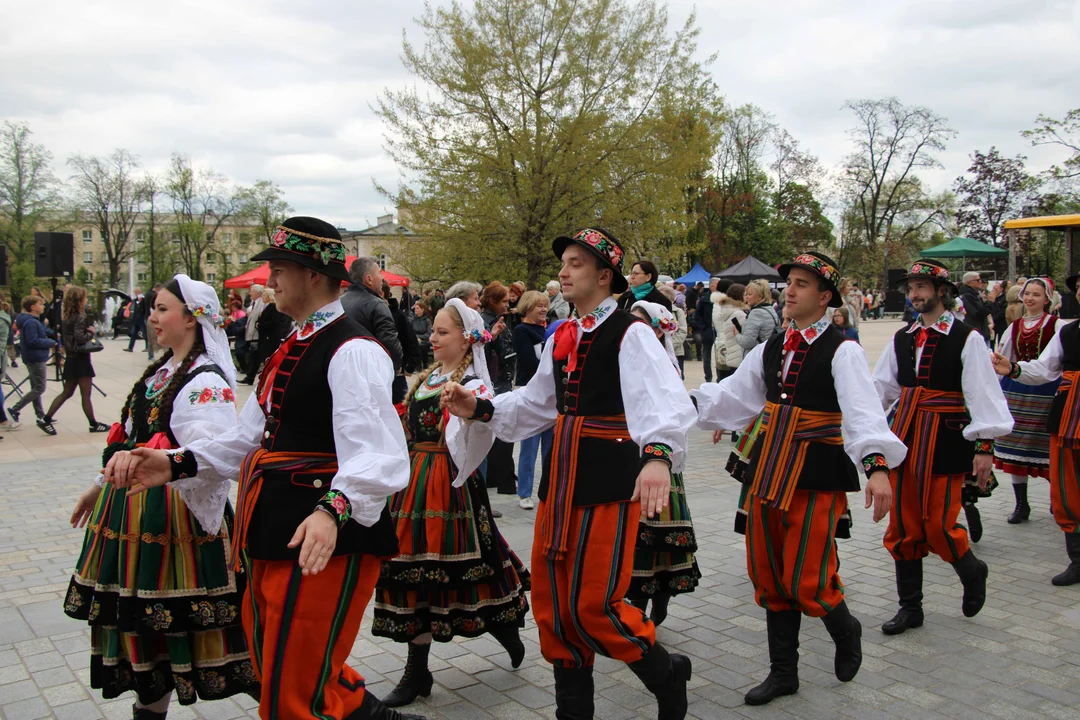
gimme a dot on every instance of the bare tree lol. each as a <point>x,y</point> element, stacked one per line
<point>109,191</point>
<point>202,202</point>
<point>28,188</point>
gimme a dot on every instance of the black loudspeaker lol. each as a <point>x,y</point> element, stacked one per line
<point>895,278</point>
<point>54,254</point>
<point>3,265</point>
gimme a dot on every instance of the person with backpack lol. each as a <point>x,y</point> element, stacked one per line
<point>761,319</point>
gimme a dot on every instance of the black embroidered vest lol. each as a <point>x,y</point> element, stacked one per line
<point>941,368</point>
<point>301,419</point>
<point>1070,360</point>
<point>809,384</point>
<point>607,470</point>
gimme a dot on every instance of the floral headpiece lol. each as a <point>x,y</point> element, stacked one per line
<point>324,249</point>
<point>1047,283</point>
<point>931,270</point>
<point>206,312</point>
<point>665,324</point>
<point>602,244</point>
<point>475,336</point>
<point>818,265</point>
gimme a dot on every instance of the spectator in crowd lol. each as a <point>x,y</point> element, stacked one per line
<point>999,303</point>
<point>1014,306</point>
<point>254,308</point>
<point>408,299</point>
<point>678,338</point>
<point>877,305</point>
<point>643,277</point>
<point>728,311</point>
<point>7,332</point>
<point>435,302</point>
<point>35,342</point>
<point>364,303</point>
<point>421,326</point>
<point>761,319</point>
<point>151,336</point>
<point>853,299</point>
<point>702,324</point>
<point>467,292</point>
<point>517,289</point>
<point>528,342</point>
<point>274,327</point>
<point>841,318</point>
<point>76,330</point>
<point>494,302</point>
<point>410,348</point>
<point>558,308</point>
<point>976,311</point>
<point>138,316</point>
<point>254,295</point>
<point>692,296</point>
<point>234,297</point>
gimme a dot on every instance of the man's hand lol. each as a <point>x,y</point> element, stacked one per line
<point>319,537</point>
<point>85,507</point>
<point>981,467</point>
<point>717,436</point>
<point>138,469</point>
<point>458,400</point>
<point>1002,366</point>
<point>653,487</point>
<point>879,494</point>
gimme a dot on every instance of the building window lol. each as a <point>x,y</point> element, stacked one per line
<point>226,238</point>
<point>88,258</point>
<point>141,277</point>
<point>382,262</point>
<point>90,277</point>
<point>210,259</point>
<point>140,236</point>
<point>104,258</point>
<point>88,236</point>
<point>243,258</point>
<point>211,277</point>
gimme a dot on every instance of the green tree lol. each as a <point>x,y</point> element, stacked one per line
<point>108,192</point>
<point>202,202</point>
<point>539,117</point>
<point>1064,133</point>
<point>994,189</point>
<point>28,191</point>
<point>153,247</point>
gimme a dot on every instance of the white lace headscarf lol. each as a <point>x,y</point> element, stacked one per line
<point>663,320</point>
<point>203,303</point>
<point>470,442</point>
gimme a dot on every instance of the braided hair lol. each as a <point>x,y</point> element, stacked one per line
<point>456,376</point>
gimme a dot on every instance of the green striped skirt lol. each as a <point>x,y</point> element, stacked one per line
<point>664,562</point>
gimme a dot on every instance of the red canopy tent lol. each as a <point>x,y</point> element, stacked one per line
<point>259,276</point>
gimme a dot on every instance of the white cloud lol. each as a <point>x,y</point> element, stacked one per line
<point>283,90</point>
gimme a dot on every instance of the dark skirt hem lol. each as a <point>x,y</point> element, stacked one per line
<point>212,683</point>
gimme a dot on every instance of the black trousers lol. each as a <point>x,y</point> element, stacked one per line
<point>500,468</point>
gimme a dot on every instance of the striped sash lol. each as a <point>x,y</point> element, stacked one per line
<point>257,462</point>
<point>920,409</point>
<point>789,430</point>
<point>569,429</point>
<point>1069,427</point>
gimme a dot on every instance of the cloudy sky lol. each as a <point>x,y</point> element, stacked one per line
<point>272,89</point>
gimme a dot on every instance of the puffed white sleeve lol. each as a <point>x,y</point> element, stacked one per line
<point>205,408</point>
<point>990,416</point>
<point>373,458</point>
<point>885,373</point>
<point>527,410</point>
<point>1047,367</point>
<point>218,457</point>
<point>469,442</point>
<point>658,408</point>
<point>866,431</point>
<point>735,401</point>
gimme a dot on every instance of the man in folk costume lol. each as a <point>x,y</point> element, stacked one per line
<point>820,423</point>
<point>621,415</point>
<point>948,409</point>
<point>1060,359</point>
<point>318,449</point>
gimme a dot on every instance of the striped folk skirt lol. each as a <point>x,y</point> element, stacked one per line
<point>664,562</point>
<point>455,574</point>
<point>162,602</point>
<point>1026,450</point>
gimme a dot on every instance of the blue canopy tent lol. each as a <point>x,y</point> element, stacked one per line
<point>697,274</point>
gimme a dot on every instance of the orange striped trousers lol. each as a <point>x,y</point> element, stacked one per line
<point>577,599</point>
<point>791,554</point>
<point>300,630</point>
<point>923,520</point>
<point>1065,485</point>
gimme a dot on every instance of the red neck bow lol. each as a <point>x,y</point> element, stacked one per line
<point>566,341</point>
<point>793,340</point>
<point>920,337</point>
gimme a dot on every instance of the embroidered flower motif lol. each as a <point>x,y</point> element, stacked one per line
<point>429,419</point>
<point>602,244</point>
<point>205,311</point>
<point>935,271</point>
<point>202,612</point>
<point>810,333</point>
<point>824,269</point>
<point>279,238</point>
<point>225,613</point>
<point>874,463</point>
<point>590,321</point>
<point>477,335</point>
<point>335,503</point>
<point>315,321</point>
<point>74,600</point>
<point>152,417</point>
<point>95,610</point>
<point>208,396</point>
<point>159,617</point>
<point>664,324</point>
<point>984,447</point>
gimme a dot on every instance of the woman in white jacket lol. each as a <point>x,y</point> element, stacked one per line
<point>727,307</point>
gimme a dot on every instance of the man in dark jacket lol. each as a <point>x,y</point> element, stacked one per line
<point>363,302</point>
<point>701,321</point>
<point>34,343</point>
<point>410,346</point>
<point>976,311</point>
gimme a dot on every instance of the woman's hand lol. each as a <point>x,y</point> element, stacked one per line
<point>498,327</point>
<point>85,506</point>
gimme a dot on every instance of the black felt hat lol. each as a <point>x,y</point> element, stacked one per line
<point>603,245</point>
<point>1070,282</point>
<point>932,270</point>
<point>821,265</point>
<point>308,241</point>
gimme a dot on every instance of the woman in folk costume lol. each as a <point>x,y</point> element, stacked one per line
<point>153,578</point>
<point>664,562</point>
<point>1025,452</point>
<point>1060,360</point>
<point>455,576</point>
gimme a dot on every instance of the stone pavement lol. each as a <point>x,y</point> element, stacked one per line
<point>1020,658</point>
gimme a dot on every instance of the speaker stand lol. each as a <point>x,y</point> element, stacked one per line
<point>16,388</point>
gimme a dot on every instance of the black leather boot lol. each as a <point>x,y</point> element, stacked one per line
<point>783,679</point>
<point>974,520</point>
<point>510,638</point>
<point>415,682</point>
<point>658,614</point>
<point>574,693</point>
<point>909,590</point>
<point>138,713</point>
<point>1022,511</point>
<point>665,676</point>
<point>374,709</point>
<point>972,572</point>
<point>641,604</point>
<point>846,632</point>
<point>1071,576</point>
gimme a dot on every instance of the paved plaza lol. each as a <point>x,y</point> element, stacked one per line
<point>1020,658</point>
